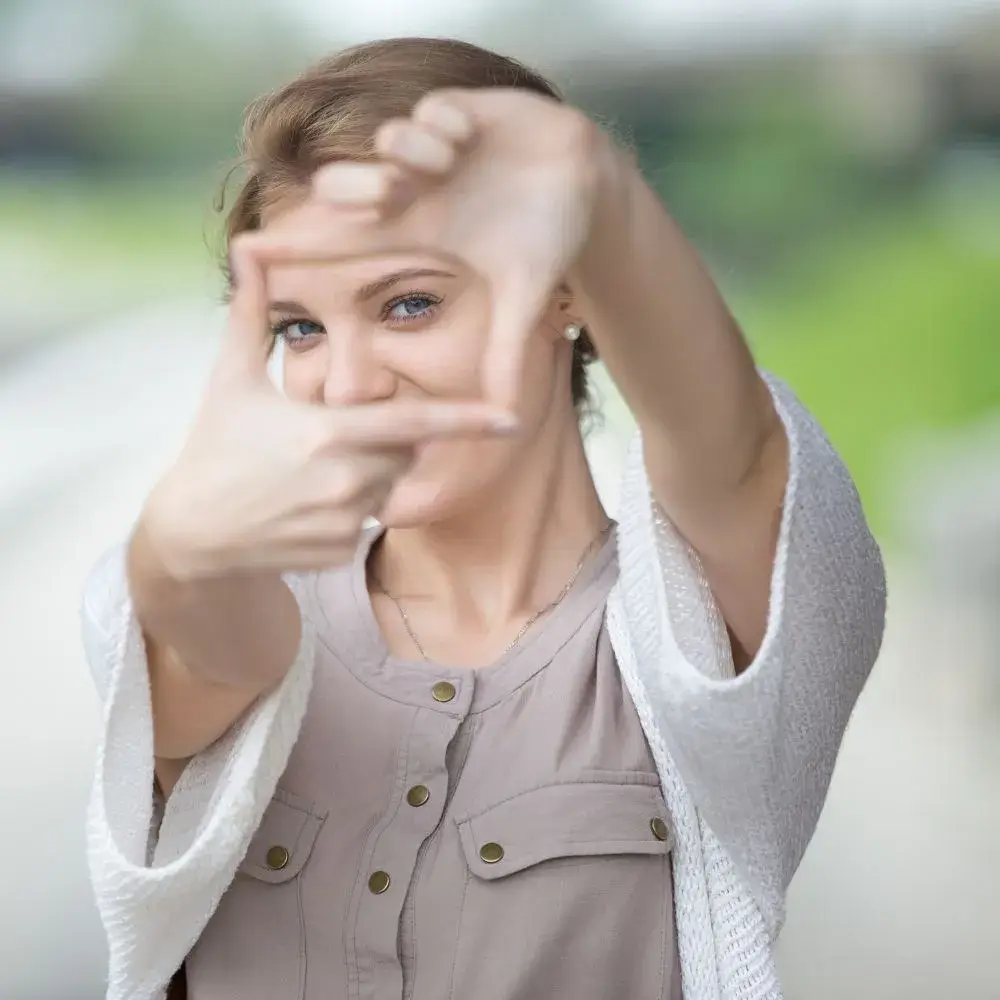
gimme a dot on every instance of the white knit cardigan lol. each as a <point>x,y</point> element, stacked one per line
<point>744,761</point>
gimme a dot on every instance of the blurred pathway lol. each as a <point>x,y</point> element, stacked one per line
<point>84,427</point>
<point>899,896</point>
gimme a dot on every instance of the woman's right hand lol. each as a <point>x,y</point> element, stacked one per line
<point>267,483</point>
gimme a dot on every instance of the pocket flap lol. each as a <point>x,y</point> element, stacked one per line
<point>563,821</point>
<point>284,840</point>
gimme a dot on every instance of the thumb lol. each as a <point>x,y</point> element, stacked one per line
<point>247,340</point>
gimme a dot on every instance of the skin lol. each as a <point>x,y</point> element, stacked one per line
<point>396,394</point>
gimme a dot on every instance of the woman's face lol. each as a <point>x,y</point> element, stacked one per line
<point>410,327</point>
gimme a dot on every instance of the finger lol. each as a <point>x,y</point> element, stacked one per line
<point>384,188</point>
<point>329,234</point>
<point>360,479</point>
<point>415,146</point>
<point>519,303</point>
<point>395,424</point>
<point>246,342</point>
<point>356,185</point>
<point>441,112</point>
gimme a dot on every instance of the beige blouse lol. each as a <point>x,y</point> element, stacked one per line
<point>444,833</point>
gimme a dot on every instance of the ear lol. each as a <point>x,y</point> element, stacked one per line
<point>562,312</point>
<point>562,297</point>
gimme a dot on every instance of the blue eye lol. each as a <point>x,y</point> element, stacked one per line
<point>292,331</point>
<point>410,307</point>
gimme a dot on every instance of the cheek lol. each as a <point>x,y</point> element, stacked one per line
<point>445,357</point>
<point>443,363</point>
<point>300,376</point>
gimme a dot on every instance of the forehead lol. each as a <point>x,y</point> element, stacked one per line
<point>317,283</point>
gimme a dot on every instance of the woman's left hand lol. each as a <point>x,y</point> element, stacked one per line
<point>502,180</point>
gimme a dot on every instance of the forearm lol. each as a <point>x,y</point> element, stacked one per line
<point>240,628</point>
<point>669,340</point>
<point>715,449</point>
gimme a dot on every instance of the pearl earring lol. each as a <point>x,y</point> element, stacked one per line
<point>572,331</point>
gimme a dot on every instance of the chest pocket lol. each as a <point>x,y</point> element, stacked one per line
<point>254,946</point>
<point>576,820</point>
<point>569,893</point>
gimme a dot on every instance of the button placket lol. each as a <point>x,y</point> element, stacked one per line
<point>411,818</point>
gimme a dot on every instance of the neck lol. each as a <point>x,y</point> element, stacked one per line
<point>500,561</point>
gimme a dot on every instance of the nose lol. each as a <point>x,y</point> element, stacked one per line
<point>354,374</point>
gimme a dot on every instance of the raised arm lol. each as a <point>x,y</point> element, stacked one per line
<point>715,451</point>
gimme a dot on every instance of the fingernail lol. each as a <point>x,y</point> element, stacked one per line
<point>451,120</point>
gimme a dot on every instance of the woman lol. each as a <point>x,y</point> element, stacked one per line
<point>493,746</point>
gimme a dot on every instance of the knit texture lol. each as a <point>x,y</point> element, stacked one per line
<point>744,762</point>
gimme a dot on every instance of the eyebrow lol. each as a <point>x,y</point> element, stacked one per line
<point>379,285</point>
<point>368,291</point>
<point>282,306</point>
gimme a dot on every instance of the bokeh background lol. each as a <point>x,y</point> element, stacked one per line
<point>837,161</point>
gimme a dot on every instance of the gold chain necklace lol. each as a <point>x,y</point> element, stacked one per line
<point>521,632</point>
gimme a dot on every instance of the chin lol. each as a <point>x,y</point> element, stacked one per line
<point>446,482</point>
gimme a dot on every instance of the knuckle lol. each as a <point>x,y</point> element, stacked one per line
<point>338,526</point>
<point>445,101</point>
<point>332,556</point>
<point>392,126</point>
<point>429,103</point>
<point>579,139</point>
<point>329,555</point>
<point>241,242</point>
<point>238,249</point>
<point>320,440</point>
<point>402,459</point>
<point>348,525</point>
<point>579,130</point>
<point>346,485</point>
<point>244,247</point>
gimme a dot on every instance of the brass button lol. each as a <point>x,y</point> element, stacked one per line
<point>491,853</point>
<point>418,795</point>
<point>659,828</point>
<point>378,882</point>
<point>277,857</point>
<point>443,691</point>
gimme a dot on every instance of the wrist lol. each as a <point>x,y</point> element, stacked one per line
<point>614,175</point>
<point>152,575</point>
<point>161,557</point>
